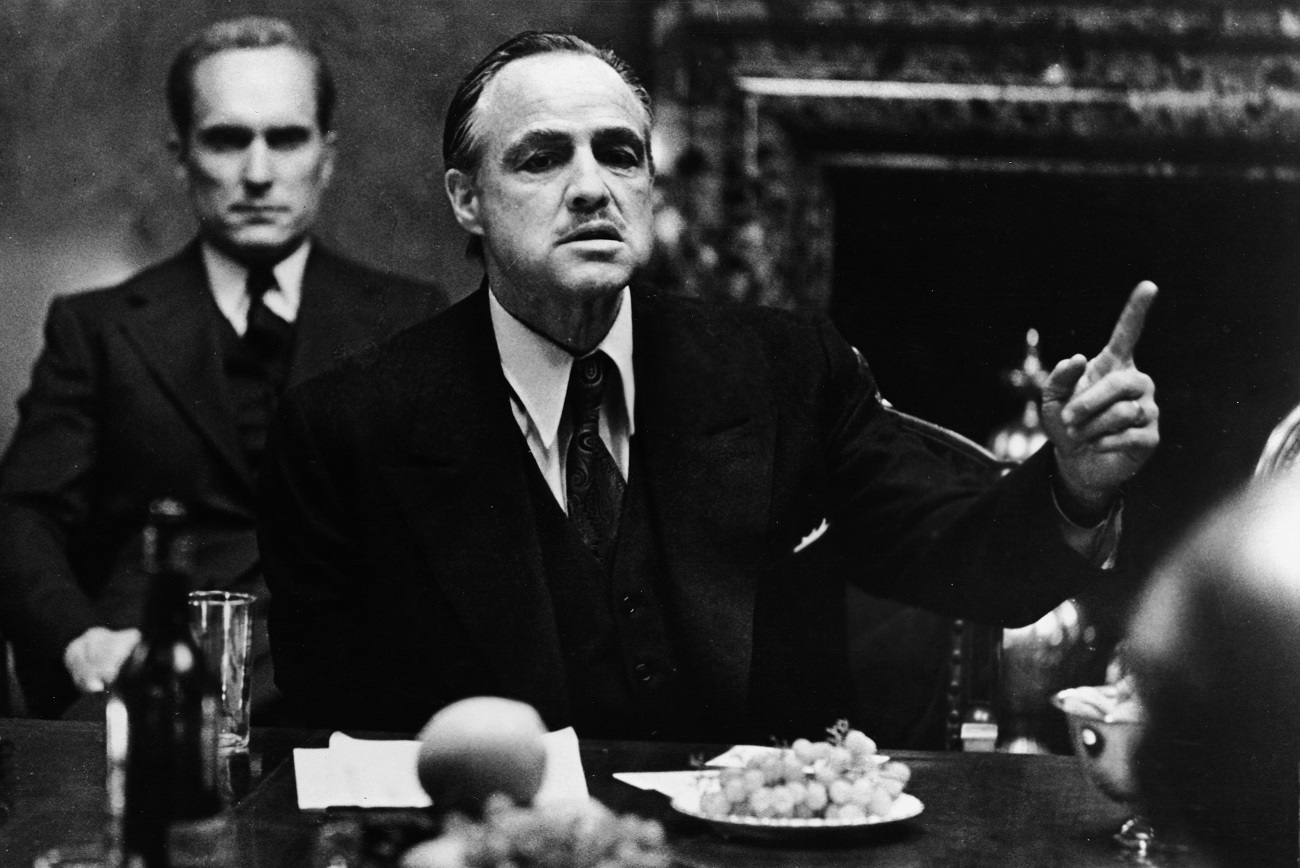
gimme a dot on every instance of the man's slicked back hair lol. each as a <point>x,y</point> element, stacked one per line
<point>253,31</point>
<point>460,149</point>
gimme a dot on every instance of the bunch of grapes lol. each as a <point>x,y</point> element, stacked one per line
<point>840,778</point>
<point>562,835</point>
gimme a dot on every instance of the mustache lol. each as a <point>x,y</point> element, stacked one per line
<point>600,227</point>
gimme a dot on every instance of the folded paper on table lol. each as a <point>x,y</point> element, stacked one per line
<point>364,773</point>
<point>564,779</point>
<point>674,784</point>
<point>671,784</point>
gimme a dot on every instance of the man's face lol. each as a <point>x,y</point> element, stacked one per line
<point>562,195</point>
<point>255,161</point>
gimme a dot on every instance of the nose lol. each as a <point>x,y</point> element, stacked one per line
<point>257,165</point>
<point>587,190</point>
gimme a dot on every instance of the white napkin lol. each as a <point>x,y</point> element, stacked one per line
<point>381,774</point>
<point>674,784</point>
<point>671,784</point>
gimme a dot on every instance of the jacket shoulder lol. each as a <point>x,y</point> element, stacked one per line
<point>726,321</point>
<point>431,352</point>
<point>369,278</point>
<point>185,266</point>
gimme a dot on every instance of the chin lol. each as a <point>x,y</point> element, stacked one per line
<point>257,243</point>
<point>595,281</point>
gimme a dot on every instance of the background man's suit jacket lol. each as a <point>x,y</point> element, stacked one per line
<point>403,560</point>
<point>128,403</point>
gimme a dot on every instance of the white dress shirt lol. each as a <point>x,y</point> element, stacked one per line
<point>537,370</point>
<point>229,279</point>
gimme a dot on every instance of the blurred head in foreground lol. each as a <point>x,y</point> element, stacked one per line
<point>1216,650</point>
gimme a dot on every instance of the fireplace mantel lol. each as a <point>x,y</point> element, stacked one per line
<point>756,98</point>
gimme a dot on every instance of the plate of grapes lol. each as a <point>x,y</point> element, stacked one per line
<point>836,789</point>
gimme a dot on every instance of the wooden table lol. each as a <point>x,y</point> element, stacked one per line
<point>980,809</point>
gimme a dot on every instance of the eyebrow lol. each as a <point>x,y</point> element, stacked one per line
<point>532,140</point>
<point>226,126</point>
<point>619,136</point>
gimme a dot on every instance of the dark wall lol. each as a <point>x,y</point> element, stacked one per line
<point>88,192</point>
<point>938,276</point>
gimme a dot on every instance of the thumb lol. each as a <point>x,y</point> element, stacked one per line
<point>1061,382</point>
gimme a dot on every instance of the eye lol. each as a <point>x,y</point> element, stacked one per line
<point>540,161</point>
<point>287,138</point>
<point>225,139</point>
<point>621,156</point>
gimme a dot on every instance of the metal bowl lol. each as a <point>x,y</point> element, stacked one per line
<point>1105,733</point>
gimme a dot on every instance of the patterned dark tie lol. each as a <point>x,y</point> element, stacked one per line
<point>595,485</point>
<point>267,335</point>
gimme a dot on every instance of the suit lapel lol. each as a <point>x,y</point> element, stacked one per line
<point>463,491</point>
<point>708,447</point>
<point>174,327</point>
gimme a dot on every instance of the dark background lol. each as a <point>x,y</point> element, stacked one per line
<point>938,277</point>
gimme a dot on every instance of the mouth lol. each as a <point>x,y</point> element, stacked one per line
<point>598,231</point>
<point>248,210</point>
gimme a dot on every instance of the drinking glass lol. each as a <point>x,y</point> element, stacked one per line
<point>223,628</point>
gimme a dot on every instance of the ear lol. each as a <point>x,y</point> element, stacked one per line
<point>329,145</point>
<point>463,195</point>
<point>177,149</point>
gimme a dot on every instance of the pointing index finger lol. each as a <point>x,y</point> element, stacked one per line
<point>1124,338</point>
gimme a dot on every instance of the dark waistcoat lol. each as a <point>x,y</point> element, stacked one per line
<point>255,385</point>
<point>619,665</point>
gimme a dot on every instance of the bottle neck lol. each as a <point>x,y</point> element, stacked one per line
<point>167,614</point>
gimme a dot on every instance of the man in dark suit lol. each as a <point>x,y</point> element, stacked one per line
<point>164,385</point>
<point>636,512</point>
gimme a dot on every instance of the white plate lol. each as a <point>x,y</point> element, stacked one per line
<point>905,807</point>
<point>739,756</point>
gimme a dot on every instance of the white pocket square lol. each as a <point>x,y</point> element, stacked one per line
<point>812,537</point>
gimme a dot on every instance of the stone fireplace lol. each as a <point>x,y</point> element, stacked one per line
<point>941,176</point>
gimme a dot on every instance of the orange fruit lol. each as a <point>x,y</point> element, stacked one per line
<point>479,746</point>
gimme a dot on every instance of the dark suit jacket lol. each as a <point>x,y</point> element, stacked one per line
<point>128,403</point>
<point>403,559</point>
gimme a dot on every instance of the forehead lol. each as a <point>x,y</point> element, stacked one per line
<point>259,87</point>
<point>563,92</point>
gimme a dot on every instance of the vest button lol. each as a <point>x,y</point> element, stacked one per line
<point>643,672</point>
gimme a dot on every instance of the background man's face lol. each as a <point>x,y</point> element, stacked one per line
<point>562,196</point>
<point>255,161</point>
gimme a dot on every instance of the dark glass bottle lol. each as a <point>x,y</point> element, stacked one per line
<point>162,746</point>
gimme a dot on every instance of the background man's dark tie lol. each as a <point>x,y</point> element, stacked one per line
<point>595,486</point>
<point>267,335</point>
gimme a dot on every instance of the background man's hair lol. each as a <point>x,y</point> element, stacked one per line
<point>460,149</point>
<point>249,32</point>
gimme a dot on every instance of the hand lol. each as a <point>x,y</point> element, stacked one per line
<point>94,657</point>
<point>1101,414</point>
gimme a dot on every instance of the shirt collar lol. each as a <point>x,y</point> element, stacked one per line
<point>537,368</point>
<point>228,279</point>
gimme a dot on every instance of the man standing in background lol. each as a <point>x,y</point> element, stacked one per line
<point>164,385</point>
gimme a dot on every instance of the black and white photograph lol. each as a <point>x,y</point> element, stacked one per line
<point>649,433</point>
